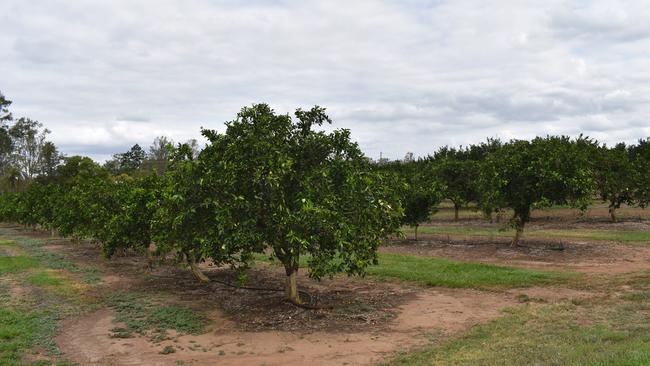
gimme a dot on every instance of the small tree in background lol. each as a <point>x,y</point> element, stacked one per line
<point>615,176</point>
<point>458,178</point>
<point>525,175</point>
<point>640,160</point>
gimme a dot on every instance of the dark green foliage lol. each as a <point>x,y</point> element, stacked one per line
<point>614,176</point>
<point>524,175</point>
<point>640,160</point>
<point>284,186</point>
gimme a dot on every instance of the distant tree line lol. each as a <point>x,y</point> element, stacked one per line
<point>279,186</point>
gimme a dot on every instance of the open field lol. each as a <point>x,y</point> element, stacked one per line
<point>576,293</point>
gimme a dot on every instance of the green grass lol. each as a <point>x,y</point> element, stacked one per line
<point>626,236</point>
<point>455,274</point>
<point>22,327</point>
<point>43,278</point>
<point>143,316</point>
<point>449,273</point>
<point>16,264</point>
<point>45,258</point>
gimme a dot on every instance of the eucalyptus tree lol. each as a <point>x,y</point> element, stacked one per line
<point>282,187</point>
<point>6,143</point>
<point>525,175</point>
<point>28,140</point>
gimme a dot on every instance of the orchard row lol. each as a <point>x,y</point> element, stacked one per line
<point>281,186</point>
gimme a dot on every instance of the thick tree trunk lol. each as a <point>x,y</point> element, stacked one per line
<point>291,286</point>
<point>416,232</point>
<point>456,208</point>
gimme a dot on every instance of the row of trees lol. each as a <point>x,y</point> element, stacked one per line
<point>525,175</point>
<point>270,184</point>
<point>281,186</point>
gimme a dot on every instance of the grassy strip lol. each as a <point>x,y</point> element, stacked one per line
<point>627,236</point>
<point>141,315</point>
<point>31,319</point>
<point>455,274</point>
<point>45,258</point>
<point>615,333</point>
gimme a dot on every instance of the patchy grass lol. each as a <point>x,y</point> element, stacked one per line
<point>16,264</point>
<point>623,236</point>
<point>613,331</point>
<point>35,250</point>
<point>143,316</point>
<point>32,319</point>
<point>44,278</point>
<point>450,273</point>
<point>22,326</point>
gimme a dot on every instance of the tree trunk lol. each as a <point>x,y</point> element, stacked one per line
<point>195,270</point>
<point>519,230</point>
<point>456,212</point>
<point>612,214</point>
<point>291,286</point>
<point>416,232</point>
<point>198,274</point>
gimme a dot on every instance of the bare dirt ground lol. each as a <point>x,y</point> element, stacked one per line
<point>430,314</point>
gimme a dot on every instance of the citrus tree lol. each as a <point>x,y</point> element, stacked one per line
<point>281,187</point>
<point>615,176</point>
<point>525,175</point>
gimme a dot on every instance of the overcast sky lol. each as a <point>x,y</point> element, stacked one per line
<point>401,75</point>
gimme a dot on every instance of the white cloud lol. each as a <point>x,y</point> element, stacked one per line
<point>403,76</point>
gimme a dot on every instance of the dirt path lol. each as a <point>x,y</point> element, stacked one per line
<point>433,313</point>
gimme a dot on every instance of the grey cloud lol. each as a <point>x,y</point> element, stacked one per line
<point>402,76</point>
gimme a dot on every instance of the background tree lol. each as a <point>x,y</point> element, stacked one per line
<point>6,144</point>
<point>614,176</point>
<point>525,175</point>
<point>28,140</point>
<point>126,163</point>
<point>420,192</point>
<point>159,154</point>
<point>285,187</point>
<point>640,160</point>
<point>458,177</point>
